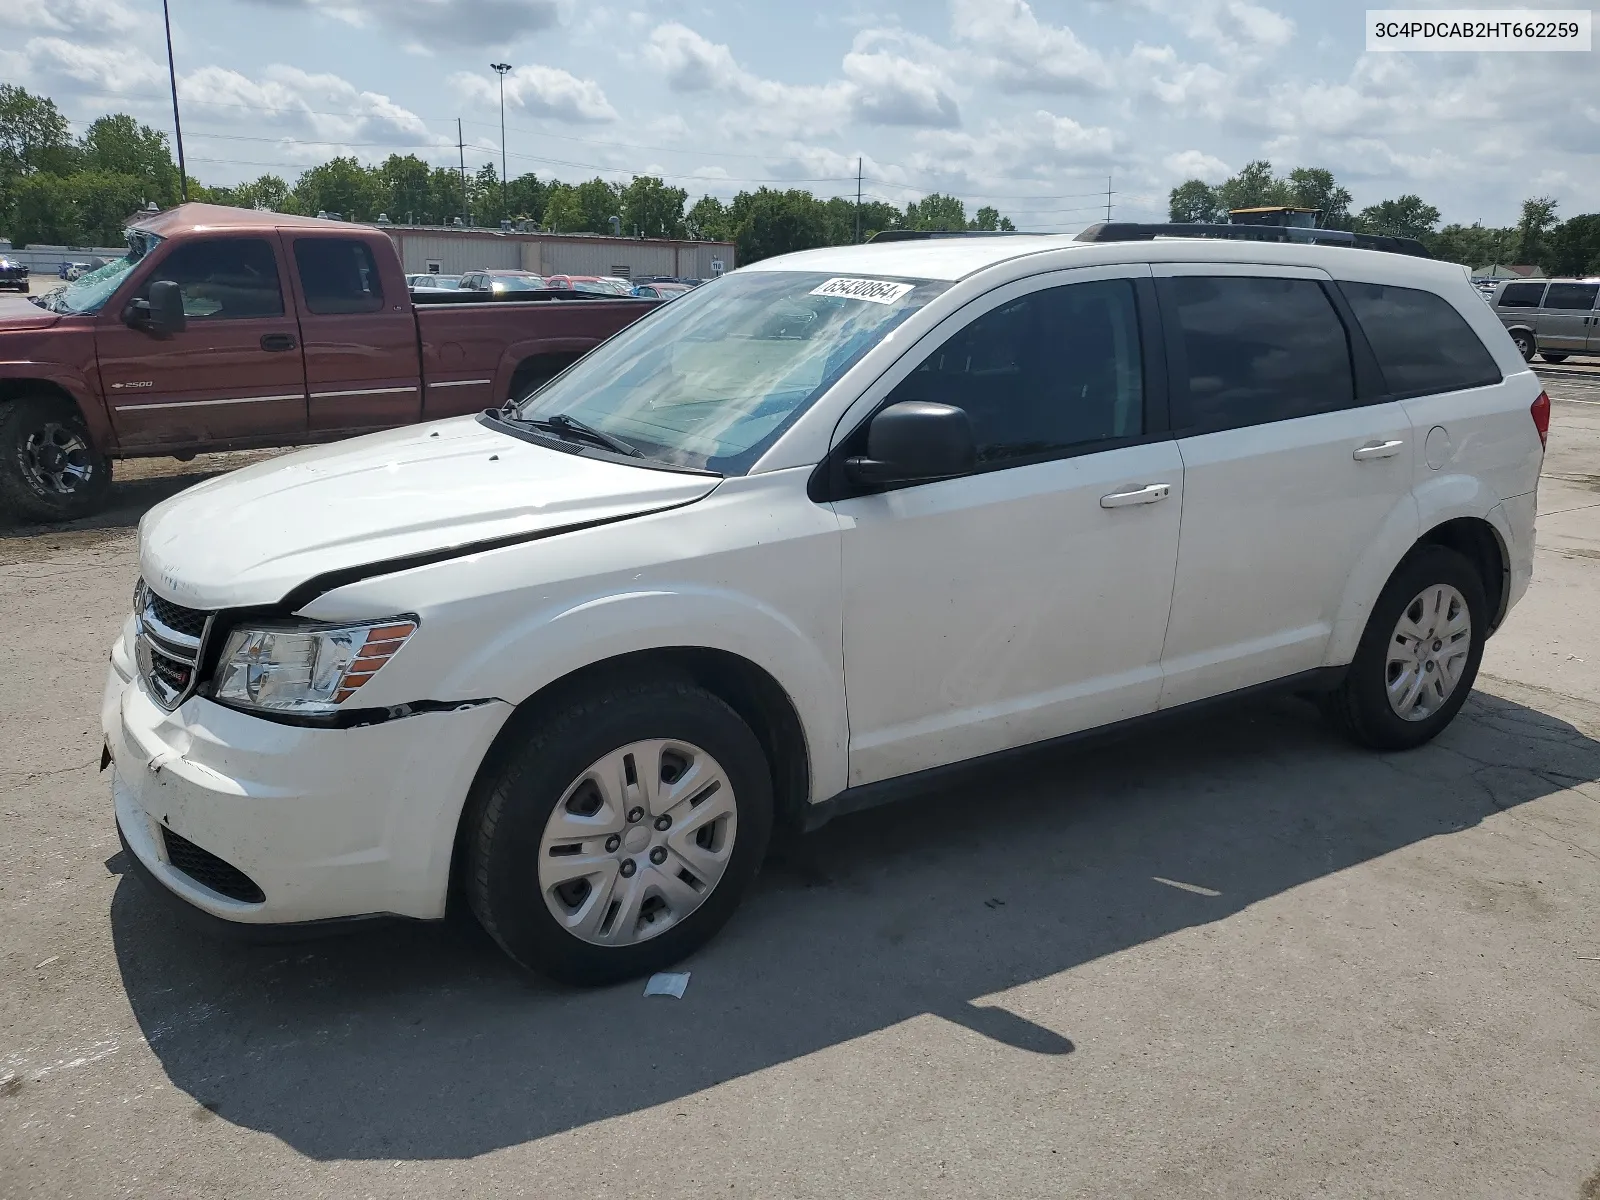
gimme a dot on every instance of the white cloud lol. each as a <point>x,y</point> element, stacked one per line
<point>542,92</point>
<point>466,23</point>
<point>100,70</point>
<point>1234,27</point>
<point>892,90</point>
<point>1020,53</point>
<point>1196,164</point>
<point>1036,146</point>
<point>83,20</point>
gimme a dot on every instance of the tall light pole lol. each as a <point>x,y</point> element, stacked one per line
<point>500,69</point>
<point>177,126</point>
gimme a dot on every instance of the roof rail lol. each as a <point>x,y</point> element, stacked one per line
<point>917,235</point>
<point>1132,231</point>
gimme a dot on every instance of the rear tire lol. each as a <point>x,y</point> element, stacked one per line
<point>1526,346</point>
<point>563,903</point>
<point>1552,358</point>
<point>1415,666</point>
<point>50,470</point>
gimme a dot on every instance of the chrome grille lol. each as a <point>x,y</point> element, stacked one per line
<point>171,639</point>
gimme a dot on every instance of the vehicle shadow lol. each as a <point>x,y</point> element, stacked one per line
<point>422,1042</point>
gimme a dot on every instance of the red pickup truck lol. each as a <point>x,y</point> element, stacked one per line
<point>226,328</point>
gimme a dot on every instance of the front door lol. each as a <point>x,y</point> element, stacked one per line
<point>233,375</point>
<point>1565,321</point>
<point>360,336</point>
<point>1027,599</point>
<point>1286,477</point>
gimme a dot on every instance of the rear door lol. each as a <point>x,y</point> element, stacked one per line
<point>1564,321</point>
<point>359,333</point>
<point>233,375</point>
<point>1288,475</point>
<point>1518,304</point>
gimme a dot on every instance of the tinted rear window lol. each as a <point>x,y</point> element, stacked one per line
<point>1571,295</point>
<point>338,276</point>
<point>1422,343</point>
<point>1521,295</point>
<point>1255,350</point>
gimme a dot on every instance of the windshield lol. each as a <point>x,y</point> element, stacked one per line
<point>710,380</point>
<point>89,293</point>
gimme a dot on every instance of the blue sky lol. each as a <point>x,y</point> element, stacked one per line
<point>1025,104</point>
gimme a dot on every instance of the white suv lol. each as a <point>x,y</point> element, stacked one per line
<point>792,542</point>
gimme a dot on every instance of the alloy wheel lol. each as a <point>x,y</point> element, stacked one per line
<point>637,842</point>
<point>1428,652</point>
<point>56,459</point>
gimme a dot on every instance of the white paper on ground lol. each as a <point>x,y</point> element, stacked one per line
<point>667,983</point>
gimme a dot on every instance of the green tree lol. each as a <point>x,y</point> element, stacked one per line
<point>767,222</point>
<point>1473,246</point>
<point>1253,187</point>
<point>1192,202</point>
<point>446,201</point>
<point>1574,246</point>
<point>527,194</point>
<point>936,213</point>
<point>340,185</point>
<point>34,136</point>
<point>1315,187</point>
<point>1533,230</point>
<point>403,179</point>
<point>652,208</point>
<point>116,144</point>
<point>707,221</point>
<point>585,208</point>
<point>1407,216</point>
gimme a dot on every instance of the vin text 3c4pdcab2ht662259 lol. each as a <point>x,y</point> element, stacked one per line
<point>797,539</point>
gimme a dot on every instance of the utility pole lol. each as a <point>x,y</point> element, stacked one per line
<point>858,199</point>
<point>177,126</point>
<point>461,149</point>
<point>500,69</point>
<point>1108,198</point>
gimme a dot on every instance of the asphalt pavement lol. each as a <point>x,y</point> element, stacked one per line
<point>1235,957</point>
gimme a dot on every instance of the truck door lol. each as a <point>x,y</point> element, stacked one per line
<point>233,375</point>
<point>358,331</point>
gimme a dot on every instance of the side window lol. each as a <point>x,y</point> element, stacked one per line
<point>223,278</point>
<point>1579,296</point>
<point>1521,295</point>
<point>1050,371</point>
<point>338,276</point>
<point>1254,350</point>
<point>1422,343</point>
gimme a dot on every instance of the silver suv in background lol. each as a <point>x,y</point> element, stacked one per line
<point>1555,317</point>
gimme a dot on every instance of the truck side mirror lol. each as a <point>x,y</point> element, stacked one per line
<point>162,314</point>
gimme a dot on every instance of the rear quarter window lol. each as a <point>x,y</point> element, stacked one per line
<point>338,276</point>
<point>1521,295</point>
<point>1423,345</point>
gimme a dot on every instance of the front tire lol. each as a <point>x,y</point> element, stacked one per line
<point>621,834</point>
<point>1419,655</point>
<point>50,469</point>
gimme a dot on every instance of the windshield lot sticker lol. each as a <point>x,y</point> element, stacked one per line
<point>875,291</point>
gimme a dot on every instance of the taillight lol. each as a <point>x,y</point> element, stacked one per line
<point>1541,417</point>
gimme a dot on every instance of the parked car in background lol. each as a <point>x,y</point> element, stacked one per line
<point>660,291</point>
<point>76,269</point>
<point>227,328</point>
<point>1551,317</point>
<point>594,284</point>
<point>435,282</point>
<point>498,281</point>
<point>13,274</point>
<point>802,542</point>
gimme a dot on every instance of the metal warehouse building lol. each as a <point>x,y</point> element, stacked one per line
<point>454,251</point>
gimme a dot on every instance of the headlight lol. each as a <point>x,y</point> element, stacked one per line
<point>304,668</point>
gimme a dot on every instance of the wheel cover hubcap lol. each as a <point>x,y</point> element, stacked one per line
<point>56,459</point>
<point>637,842</point>
<point>1428,652</point>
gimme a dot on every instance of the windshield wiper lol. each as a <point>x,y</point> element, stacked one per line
<point>571,428</point>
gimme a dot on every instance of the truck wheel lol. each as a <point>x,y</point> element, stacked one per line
<point>1418,656</point>
<point>1552,358</point>
<point>1526,346</point>
<point>621,833</point>
<point>49,468</point>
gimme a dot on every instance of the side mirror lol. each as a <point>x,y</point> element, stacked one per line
<point>162,314</point>
<point>913,441</point>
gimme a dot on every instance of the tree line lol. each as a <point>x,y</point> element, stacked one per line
<point>60,190</point>
<point>1539,238</point>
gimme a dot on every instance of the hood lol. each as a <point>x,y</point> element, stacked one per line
<point>18,312</point>
<point>252,536</point>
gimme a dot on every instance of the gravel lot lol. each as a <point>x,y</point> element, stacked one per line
<point>1232,958</point>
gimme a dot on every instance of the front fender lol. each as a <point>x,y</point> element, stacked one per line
<point>83,393</point>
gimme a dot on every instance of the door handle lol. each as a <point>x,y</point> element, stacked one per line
<point>1145,495</point>
<point>277,341</point>
<point>1377,450</point>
